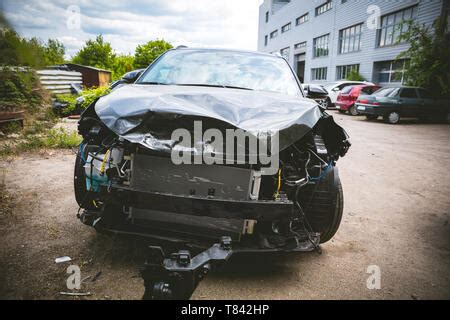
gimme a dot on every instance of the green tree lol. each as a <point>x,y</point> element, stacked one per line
<point>354,75</point>
<point>146,53</point>
<point>54,52</point>
<point>429,52</point>
<point>122,64</point>
<point>96,53</point>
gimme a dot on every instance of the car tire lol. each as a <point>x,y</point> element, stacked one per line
<point>353,111</point>
<point>324,205</point>
<point>82,195</point>
<point>392,117</point>
<point>328,103</point>
<point>371,117</point>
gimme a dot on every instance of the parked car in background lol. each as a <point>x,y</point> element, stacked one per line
<point>396,102</point>
<point>316,92</point>
<point>334,88</point>
<point>348,96</point>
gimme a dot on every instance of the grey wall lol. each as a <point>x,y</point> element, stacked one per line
<point>339,17</point>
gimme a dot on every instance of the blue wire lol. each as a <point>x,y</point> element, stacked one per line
<point>324,173</point>
<point>81,153</point>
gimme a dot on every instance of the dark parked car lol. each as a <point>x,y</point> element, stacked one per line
<point>395,102</point>
<point>318,93</point>
<point>127,182</point>
<point>348,96</point>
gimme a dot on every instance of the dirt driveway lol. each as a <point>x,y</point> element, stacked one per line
<point>397,208</point>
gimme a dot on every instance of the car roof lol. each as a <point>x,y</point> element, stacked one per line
<point>228,50</point>
<point>401,86</point>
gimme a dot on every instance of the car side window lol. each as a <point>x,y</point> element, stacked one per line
<point>425,94</point>
<point>342,86</point>
<point>408,93</point>
<point>368,90</point>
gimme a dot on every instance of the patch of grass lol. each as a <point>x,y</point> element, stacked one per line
<point>52,139</point>
<point>61,139</point>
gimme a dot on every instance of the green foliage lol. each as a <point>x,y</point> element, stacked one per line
<point>93,93</point>
<point>122,64</point>
<point>354,75</point>
<point>54,52</point>
<point>429,53</point>
<point>96,53</point>
<point>146,53</point>
<point>18,51</point>
<point>52,139</point>
<point>20,89</point>
<point>68,98</point>
<point>61,139</point>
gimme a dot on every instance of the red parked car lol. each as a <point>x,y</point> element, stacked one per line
<point>348,96</point>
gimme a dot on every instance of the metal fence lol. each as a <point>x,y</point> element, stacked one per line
<point>59,81</point>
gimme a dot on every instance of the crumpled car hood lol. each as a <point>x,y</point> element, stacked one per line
<point>146,114</point>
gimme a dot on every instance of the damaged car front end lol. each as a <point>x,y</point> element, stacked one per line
<point>168,158</point>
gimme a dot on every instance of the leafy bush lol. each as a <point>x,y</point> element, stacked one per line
<point>91,94</point>
<point>21,89</point>
<point>354,75</point>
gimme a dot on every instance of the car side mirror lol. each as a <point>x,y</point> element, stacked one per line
<point>131,77</point>
<point>335,89</point>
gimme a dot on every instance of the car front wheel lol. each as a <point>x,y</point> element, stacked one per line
<point>392,117</point>
<point>353,110</point>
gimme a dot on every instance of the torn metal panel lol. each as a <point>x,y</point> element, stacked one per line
<point>147,114</point>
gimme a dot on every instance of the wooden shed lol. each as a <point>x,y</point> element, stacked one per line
<point>92,77</point>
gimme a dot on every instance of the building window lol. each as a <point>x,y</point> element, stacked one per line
<point>390,71</point>
<point>323,8</point>
<point>286,27</point>
<point>267,16</point>
<point>274,34</point>
<point>393,26</point>
<point>342,72</point>
<point>350,39</point>
<point>302,19</point>
<point>266,38</point>
<point>300,45</point>
<point>319,73</point>
<point>320,46</point>
<point>285,53</point>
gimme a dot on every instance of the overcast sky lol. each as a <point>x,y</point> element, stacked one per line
<point>195,23</point>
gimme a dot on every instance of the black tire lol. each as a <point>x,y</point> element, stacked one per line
<point>392,117</point>
<point>82,195</point>
<point>371,117</point>
<point>353,111</point>
<point>328,103</point>
<point>324,205</point>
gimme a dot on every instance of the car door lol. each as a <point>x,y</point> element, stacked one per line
<point>429,105</point>
<point>409,103</point>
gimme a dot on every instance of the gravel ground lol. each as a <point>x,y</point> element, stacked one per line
<point>396,188</point>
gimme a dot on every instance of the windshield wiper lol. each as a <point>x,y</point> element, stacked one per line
<point>153,82</point>
<point>211,85</point>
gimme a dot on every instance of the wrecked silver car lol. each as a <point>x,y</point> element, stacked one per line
<point>210,149</point>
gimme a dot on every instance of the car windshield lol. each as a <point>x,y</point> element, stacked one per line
<point>330,85</point>
<point>347,89</point>
<point>386,92</point>
<point>229,69</point>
